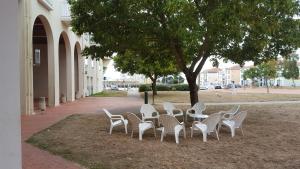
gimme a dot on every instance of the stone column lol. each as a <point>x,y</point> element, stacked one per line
<point>10,124</point>
<point>70,74</point>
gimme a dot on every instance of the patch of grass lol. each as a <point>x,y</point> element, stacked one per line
<point>220,97</point>
<point>111,93</point>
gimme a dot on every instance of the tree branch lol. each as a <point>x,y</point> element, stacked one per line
<point>176,48</point>
<point>202,50</point>
<point>202,62</point>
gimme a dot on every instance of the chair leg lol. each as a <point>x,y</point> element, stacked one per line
<point>162,136</point>
<point>232,129</point>
<point>217,135</point>
<point>140,135</point>
<point>219,126</point>
<point>125,128</point>
<point>177,137</point>
<point>242,130</point>
<point>131,133</point>
<point>110,129</point>
<point>184,133</point>
<point>154,131</point>
<point>204,136</point>
<point>192,132</point>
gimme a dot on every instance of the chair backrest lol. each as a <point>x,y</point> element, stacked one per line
<point>239,118</point>
<point>108,114</point>
<point>234,109</point>
<point>108,117</point>
<point>147,110</point>
<point>212,121</point>
<point>199,107</point>
<point>169,122</point>
<point>134,121</point>
<point>169,107</point>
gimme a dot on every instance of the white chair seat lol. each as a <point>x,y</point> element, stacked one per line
<point>144,126</point>
<point>120,122</point>
<point>201,126</point>
<point>228,122</point>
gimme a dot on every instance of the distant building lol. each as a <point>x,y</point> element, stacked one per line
<point>210,77</point>
<point>233,75</point>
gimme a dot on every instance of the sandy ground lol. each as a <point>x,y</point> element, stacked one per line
<point>272,140</point>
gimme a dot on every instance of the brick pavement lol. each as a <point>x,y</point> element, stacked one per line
<point>34,158</point>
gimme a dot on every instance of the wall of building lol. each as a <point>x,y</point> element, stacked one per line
<point>40,72</point>
<point>59,81</point>
<point>62,70</point>
<point>235,76</point>
<point>10,124</point>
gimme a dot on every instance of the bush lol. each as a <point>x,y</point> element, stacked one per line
<point>163,88</point>
<point>144,88</point>
<point>181,87</point>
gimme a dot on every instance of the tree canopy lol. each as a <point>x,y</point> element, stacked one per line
<point>192,30</point>
<point>153,65</point>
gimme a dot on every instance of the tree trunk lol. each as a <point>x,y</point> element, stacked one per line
<point>154,91</point>
<point>193,88</point>
<point>293,82</point>
<point>266,81</point>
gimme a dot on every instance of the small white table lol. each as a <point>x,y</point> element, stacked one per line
<point>199,116</point>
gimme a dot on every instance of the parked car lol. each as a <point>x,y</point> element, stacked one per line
<point>229,86</point>
<point>114,87</point>
<point>218,87</point>
<point>203,88</point>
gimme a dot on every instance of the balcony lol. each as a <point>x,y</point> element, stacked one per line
<point>48,4</point>
<point>66,14</point>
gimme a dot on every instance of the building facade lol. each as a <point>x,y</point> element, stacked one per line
<point>51,63</point>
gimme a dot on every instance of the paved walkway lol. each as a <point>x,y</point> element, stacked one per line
<point>34,158</point>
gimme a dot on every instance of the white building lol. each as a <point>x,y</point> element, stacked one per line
<point>51,61</point>
<point>211,77</point>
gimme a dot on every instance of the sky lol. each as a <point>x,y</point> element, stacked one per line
<point>113,74</point>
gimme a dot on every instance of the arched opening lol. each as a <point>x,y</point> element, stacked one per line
<point>40,47</point>
<point>62,68</point>
<point>77,55</point>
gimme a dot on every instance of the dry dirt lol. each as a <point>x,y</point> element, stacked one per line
<point>272,140</point>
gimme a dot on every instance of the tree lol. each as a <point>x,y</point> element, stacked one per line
<point>133,63</point>
<point>268,70</point>
<point>192,30</point>
<point>290,68</point>
<point>251,73</point>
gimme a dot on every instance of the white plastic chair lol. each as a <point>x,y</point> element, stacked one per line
<point>230,113</point>
<point>149,112</point>
<point>171,126</point>
<point>116,120</point>
<point>172,110</point>
<point>196,111</point>
<point>235,122</point>
<point>137,125</point>
<point>207,126</point>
